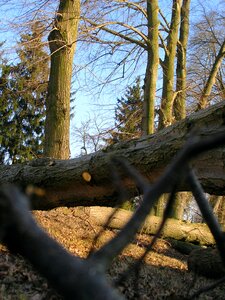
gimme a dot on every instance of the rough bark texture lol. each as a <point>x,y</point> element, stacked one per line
<point>62,41</point>
<point>197,233</point>
<point>63,184</point>
<point>179,205</point>
<point>176,104</point>
<point>152,67</point>
<point>181,71</point>
<point>218,204</point>
<point>166,110</point>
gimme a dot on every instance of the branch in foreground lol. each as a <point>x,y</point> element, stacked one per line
<point>174,174</point>
<point>207,213</point>
<point>69,275</point>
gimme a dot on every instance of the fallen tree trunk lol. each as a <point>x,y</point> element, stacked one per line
<point>197,233</point>
<point>87,180</point>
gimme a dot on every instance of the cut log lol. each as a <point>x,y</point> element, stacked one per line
<point>65,182</point>
<point>197,233</point>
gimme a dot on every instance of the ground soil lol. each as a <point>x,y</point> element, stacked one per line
<point>163,275</point>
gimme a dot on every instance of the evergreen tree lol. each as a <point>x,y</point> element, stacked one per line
<point>23,90</point>
<point>128,114</point>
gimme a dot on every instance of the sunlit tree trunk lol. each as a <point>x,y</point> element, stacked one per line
<point>218,204</point>
<point>166,110</point>
<point>62,42</point>
<point>212,78</point>
<point>181,71</point>
<point>179,106</point>
<point>152,67</point>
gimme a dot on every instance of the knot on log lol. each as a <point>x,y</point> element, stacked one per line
<point>86,176</point>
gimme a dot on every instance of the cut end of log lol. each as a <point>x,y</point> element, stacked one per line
<point>86,176</point>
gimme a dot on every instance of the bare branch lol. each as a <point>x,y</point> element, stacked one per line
<point>135,6</point>
<point>207,213</point>
<point>116,33</point>
<point>193,148</point>
<point>69,275</point>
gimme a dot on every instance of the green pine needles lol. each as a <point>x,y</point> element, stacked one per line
<point>128,114</point>
<point>23,90</point>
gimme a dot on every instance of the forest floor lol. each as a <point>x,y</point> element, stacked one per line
<point>164,274</point>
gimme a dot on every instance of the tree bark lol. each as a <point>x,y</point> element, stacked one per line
<point>62,42</point>
<point>197,233</point>
<point>179,105</point>
<point>166,109</point>
<point>181,71</point>
<point>151,68</point>
<point>179,205</point>
<point>218,205</point>
<point>62,182</point>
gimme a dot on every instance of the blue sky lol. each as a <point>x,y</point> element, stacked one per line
<point>92,101</point>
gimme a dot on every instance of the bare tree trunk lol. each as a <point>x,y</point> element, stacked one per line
<point>62,42</point>
<point>160,206</point>
<point>166,110</point>
<point>179,104</point>
<point>181,71</point>
<point>204,101</point>
<point>88,180</point>
<point>180,202</point>
<point>152,68</point>
<point>218,204</point>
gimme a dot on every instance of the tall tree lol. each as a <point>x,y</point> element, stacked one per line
<point>179,106</point>
<point>166,109</point>
<point>135,34</point>
<point>168,94</point>
<point>62,43</point>
<point>134,29</point>
<point>151,68</point>
<point>218,205</point>
<point>23,89</point>
<point>128,114</point>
